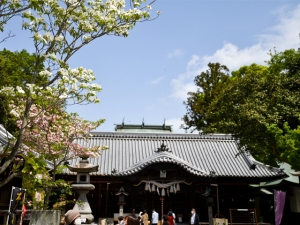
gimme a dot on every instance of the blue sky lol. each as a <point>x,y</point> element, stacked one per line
<point>148,74</point>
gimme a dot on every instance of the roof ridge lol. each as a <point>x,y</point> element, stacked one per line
<point>163,135</point>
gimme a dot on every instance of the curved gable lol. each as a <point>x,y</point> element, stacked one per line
<point>161,158</point>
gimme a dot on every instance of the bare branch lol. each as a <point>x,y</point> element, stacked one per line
<point>9,178</point>
<point>9,35</point>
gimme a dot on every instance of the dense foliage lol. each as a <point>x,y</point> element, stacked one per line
<point>260,106</point>
<point>16,69</point>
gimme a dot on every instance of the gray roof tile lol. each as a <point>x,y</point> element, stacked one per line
<point>129,153</point>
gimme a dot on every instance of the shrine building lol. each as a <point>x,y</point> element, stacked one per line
<point>163,170</point>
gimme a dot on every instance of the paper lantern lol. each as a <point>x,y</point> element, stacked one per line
<point>146,187</point>
<point>163,192</point>
<point>178,187</point>
<point>171,190</point>
<point>153,188</point>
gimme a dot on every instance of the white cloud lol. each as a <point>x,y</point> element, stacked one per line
<point>175,122</point>
<point>157,80</point>
<point>176,53</point>
<point>284,35</point>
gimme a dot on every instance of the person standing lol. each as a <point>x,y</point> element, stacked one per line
<point>154,220</point>
<point>195,219</point>
<point>170,218</point>
<point>133,215</point>
<point>173,216</point>
<point>72,217</point>
<point>121,220</point>
<point>144,218</point>
<point>165,220</point>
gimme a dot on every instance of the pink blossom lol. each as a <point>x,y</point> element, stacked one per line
<point>52,132</point>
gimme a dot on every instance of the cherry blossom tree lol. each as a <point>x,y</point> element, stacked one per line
<point>59,28</point>
<point>51,136</point>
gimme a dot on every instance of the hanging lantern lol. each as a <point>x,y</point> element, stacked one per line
<point>153,188</point>
<point>163,192</point>
<point>178,187</point>
<point>171,190</point>
<point>174,189</point>
<point>149,187</point>
<point>146,187</point>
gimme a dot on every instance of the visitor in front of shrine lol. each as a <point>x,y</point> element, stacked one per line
<point>195,219</point>
<point>140,218</point>
<point>133,215</point>
<point>170,218</point>
<point>144,218</point>
<point>174,217</point>
<point>125,220</point>
<point>154,219</point>
<point>165,220</point>
<point>129,220</point>
<point>121,220</point>
<point>72,217</point>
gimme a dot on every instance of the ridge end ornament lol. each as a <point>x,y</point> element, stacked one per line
<point>163,148</point>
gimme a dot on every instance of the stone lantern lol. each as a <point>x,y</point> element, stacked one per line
<point>208,194</point>
<point>121,200</point>
<point>83,186</point>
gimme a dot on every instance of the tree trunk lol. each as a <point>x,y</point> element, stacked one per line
<point>49,189</point>
<point>18,143</point>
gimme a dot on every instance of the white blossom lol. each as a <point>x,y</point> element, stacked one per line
<point>31,88</point>
<point>63,71</point>
<point>63,96</point>
<point>45,73</point>
<point>59,38</point>
<point>7,91</point>
<point>20,90</point>
<point>15,113</point>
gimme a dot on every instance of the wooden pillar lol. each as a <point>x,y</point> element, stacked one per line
<point>99,199</point>
<point>186,204</point>
<point>192,197</point>
<point>257,206</point>
<point>132,197</point>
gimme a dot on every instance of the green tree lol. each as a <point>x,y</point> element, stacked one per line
<point>244,108</point>
<point>210,83</point>
<point>260,107</point>
<point>16,69</point>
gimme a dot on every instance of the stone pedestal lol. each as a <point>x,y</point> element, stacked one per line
<point>82,187</point>
<point>84,207</point>
<point>121,210</point>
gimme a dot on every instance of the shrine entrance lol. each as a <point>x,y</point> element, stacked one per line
<point>180,196</point>
<point>165,186</point>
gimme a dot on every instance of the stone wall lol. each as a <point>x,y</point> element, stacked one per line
<point>45,217</point>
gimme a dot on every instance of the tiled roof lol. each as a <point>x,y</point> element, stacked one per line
<point>4,141</point>
<point>4,136</point>
<point>200,155</point>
